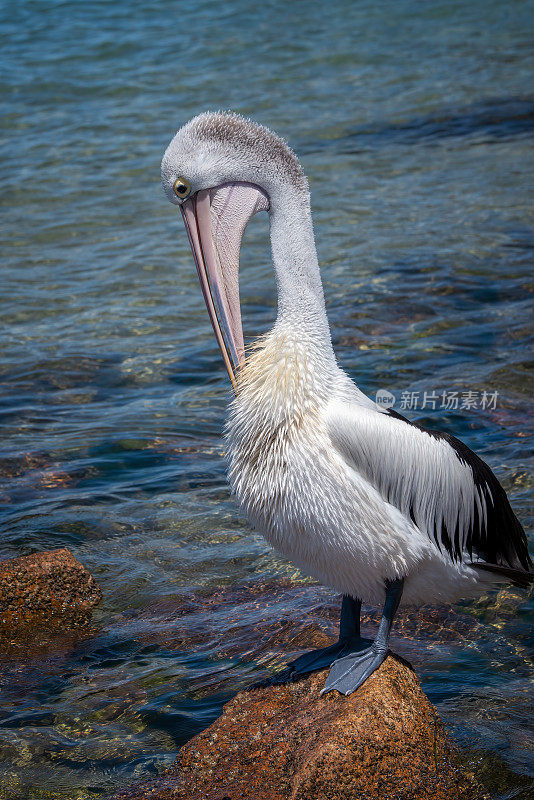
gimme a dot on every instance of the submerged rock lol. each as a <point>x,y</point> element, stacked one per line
<point>49,591</point>
<point>286,741</point>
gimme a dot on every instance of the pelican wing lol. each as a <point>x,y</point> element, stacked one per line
<point>435,480</point>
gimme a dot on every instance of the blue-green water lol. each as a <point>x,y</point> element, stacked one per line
<point>414,122</point>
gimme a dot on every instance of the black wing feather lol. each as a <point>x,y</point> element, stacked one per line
<point>500,538</point>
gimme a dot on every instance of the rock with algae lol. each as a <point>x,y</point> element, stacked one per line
<point>49,591</point>
<point>286,741</point>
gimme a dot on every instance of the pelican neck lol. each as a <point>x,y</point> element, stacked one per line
<point>301,303</point>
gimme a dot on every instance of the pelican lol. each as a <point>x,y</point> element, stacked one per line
<point>366,501</point>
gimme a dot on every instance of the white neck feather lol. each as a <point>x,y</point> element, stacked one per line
<point>292,369</point>
<point>301,305</point>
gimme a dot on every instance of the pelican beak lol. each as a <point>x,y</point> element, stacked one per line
<point>215,220</point>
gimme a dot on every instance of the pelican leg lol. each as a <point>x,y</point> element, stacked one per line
<point>349,641</point>
<point>350,671</point>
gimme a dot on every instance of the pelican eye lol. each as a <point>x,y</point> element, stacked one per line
<point>181,188</point>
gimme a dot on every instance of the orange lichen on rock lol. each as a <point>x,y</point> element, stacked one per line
<point>287,742</point>
<point>46,591</point>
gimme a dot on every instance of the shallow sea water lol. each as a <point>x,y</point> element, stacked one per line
<point>414,123</point>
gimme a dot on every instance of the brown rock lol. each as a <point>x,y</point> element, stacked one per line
<point>287,742</point>
<point>46,591</point>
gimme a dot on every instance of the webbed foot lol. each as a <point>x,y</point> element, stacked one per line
<point>351,671</point>
<point>326,656</point>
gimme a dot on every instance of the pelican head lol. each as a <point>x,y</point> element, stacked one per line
<point>221,169</point>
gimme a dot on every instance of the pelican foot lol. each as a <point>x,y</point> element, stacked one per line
<point>350,672</point>
<point>326,656</point>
